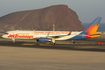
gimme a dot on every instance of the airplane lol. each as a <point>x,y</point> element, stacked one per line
<point>52,36</point>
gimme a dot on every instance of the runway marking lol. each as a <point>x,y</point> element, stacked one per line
<point>86,47</point>
<point>28,44</point>
<point>102,43</point>
<point>39,44</point>
<point>45,44</point>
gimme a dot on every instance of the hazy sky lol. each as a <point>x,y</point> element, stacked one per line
<point>87,10</point>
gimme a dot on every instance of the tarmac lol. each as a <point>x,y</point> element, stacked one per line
<point>81,55</point>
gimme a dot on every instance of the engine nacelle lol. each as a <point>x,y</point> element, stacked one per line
<point>43,40</point>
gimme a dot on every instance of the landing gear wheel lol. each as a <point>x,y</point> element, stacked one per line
<point>52,43</point>
<point>73,42</point>
<point>37,42</point>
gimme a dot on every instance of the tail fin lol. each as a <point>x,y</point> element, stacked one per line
<point>92,28</point>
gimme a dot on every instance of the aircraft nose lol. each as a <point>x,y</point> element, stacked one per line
<point>3,36</point>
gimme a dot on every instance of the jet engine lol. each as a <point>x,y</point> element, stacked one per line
<point>43,40</point>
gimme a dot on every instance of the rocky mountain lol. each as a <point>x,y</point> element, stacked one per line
<point>42,19</point>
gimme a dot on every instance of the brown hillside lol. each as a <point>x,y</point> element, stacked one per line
<point>42,19</point>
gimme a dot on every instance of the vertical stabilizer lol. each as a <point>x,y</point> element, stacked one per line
<point>92,28</point>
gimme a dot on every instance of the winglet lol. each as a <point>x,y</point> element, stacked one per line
<point>70,32</point>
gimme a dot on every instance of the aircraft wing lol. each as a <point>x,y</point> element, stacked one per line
<point>50,37</point>
<point>59,36</point>
<point>56,36</point>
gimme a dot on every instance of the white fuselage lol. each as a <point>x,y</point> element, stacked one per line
<point>17,34</point>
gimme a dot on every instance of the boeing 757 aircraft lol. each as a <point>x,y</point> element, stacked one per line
<point>52,36</point>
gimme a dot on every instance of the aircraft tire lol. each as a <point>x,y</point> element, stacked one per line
<point>52,43</point>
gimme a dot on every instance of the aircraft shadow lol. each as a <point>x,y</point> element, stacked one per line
<point>78,47</point>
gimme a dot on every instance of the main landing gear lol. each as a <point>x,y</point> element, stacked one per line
<point>73,42</point>
<point>13,40</point>
<point>53,42</point>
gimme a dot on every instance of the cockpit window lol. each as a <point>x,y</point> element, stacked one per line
<point>6,33</point>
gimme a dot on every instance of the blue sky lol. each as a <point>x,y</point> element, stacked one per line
<point>87,10</point>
